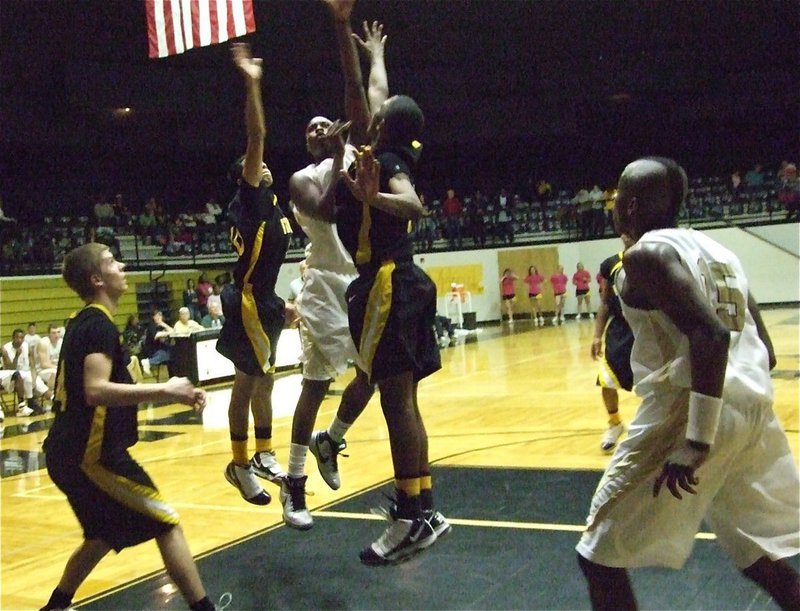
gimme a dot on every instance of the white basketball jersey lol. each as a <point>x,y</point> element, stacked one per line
<point>661,352</point>
<point>54,351</point>
<point>326,249</point>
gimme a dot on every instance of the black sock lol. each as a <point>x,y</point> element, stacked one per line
<point>408,507</point>
<point>204,604</point>
<point>426,499</point>
<point>58,600</point>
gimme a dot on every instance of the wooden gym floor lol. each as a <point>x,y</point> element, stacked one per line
<point>514,420</point>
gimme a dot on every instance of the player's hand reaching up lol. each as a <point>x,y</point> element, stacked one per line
<point>243,59</point>
<point>367,179</point>
<point>374,41</point>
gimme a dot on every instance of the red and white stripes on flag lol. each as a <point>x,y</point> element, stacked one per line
<point>175,26</point>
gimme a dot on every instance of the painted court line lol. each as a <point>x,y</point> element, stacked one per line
<point>485,523</point>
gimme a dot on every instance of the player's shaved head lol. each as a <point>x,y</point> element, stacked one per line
<point>657,186</point>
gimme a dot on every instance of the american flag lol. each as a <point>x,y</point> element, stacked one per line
<point>175,26</point>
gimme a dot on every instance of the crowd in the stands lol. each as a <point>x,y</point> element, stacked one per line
<point>456,221</point>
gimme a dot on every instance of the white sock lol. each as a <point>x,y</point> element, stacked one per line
<point>297,460</point>
<point>338,429</point>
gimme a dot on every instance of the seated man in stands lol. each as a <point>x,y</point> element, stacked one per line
<point>17,357</point>
<point>47,351</point>
<point>155,349</point>
<point>185,324</point>
<point>214,319</point>
<point>789,192</point>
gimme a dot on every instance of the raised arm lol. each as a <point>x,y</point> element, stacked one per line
<point>306,194</point>
<point>355,101</point>
<point>250,69</point>
<point>373,45</point>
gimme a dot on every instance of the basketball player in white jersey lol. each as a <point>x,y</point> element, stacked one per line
<point>47,351</point>
<point>321,306</point>
<point>705,431</point>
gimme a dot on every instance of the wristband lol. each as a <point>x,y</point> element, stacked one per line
<point>703,417</point>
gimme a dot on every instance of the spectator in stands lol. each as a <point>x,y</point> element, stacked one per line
<point>789,192</point>
<point>754,179</point>
<point>598,214</point>
<point>155,349</point>
<point>191,300</point>
<point>17,356</point>
<point>32,338</point>
<point>185,324</point>
<point>104,212</point>
<point>214,298</point>
<point>544,190</point>
<point>203,291</point>
<point>736,186</point>
<point>452,211</point>
<point>504,221</point>
<point>476,211</point>
<point>214,210</point>
<point>132,337</point>
<point>148,221</point>
<point>121,212</point>
<point>425,229</point>
<point>610,198</point>
<point>583,207</point>
<point>214,319</point>
<point>47,351</point>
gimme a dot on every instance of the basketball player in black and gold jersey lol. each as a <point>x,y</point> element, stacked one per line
<point>95,408</point>
<point>391,309</point>
<point>615,365</point>
<point>254,314</point>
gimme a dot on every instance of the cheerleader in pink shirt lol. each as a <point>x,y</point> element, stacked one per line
<point>534,281</point>
<point>508,292</point>
<point>559,284</point>
<point>581,279</point>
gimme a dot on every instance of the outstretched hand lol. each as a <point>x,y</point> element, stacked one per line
<point>679,471</point>
<point>374,41</point>
<point>248,65</point>
<point>367,180</point>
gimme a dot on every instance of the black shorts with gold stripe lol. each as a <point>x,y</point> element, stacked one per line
<point>615,369</point>
<point>253,324</point>
<point>391,311</point>
<point>114,500</point>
